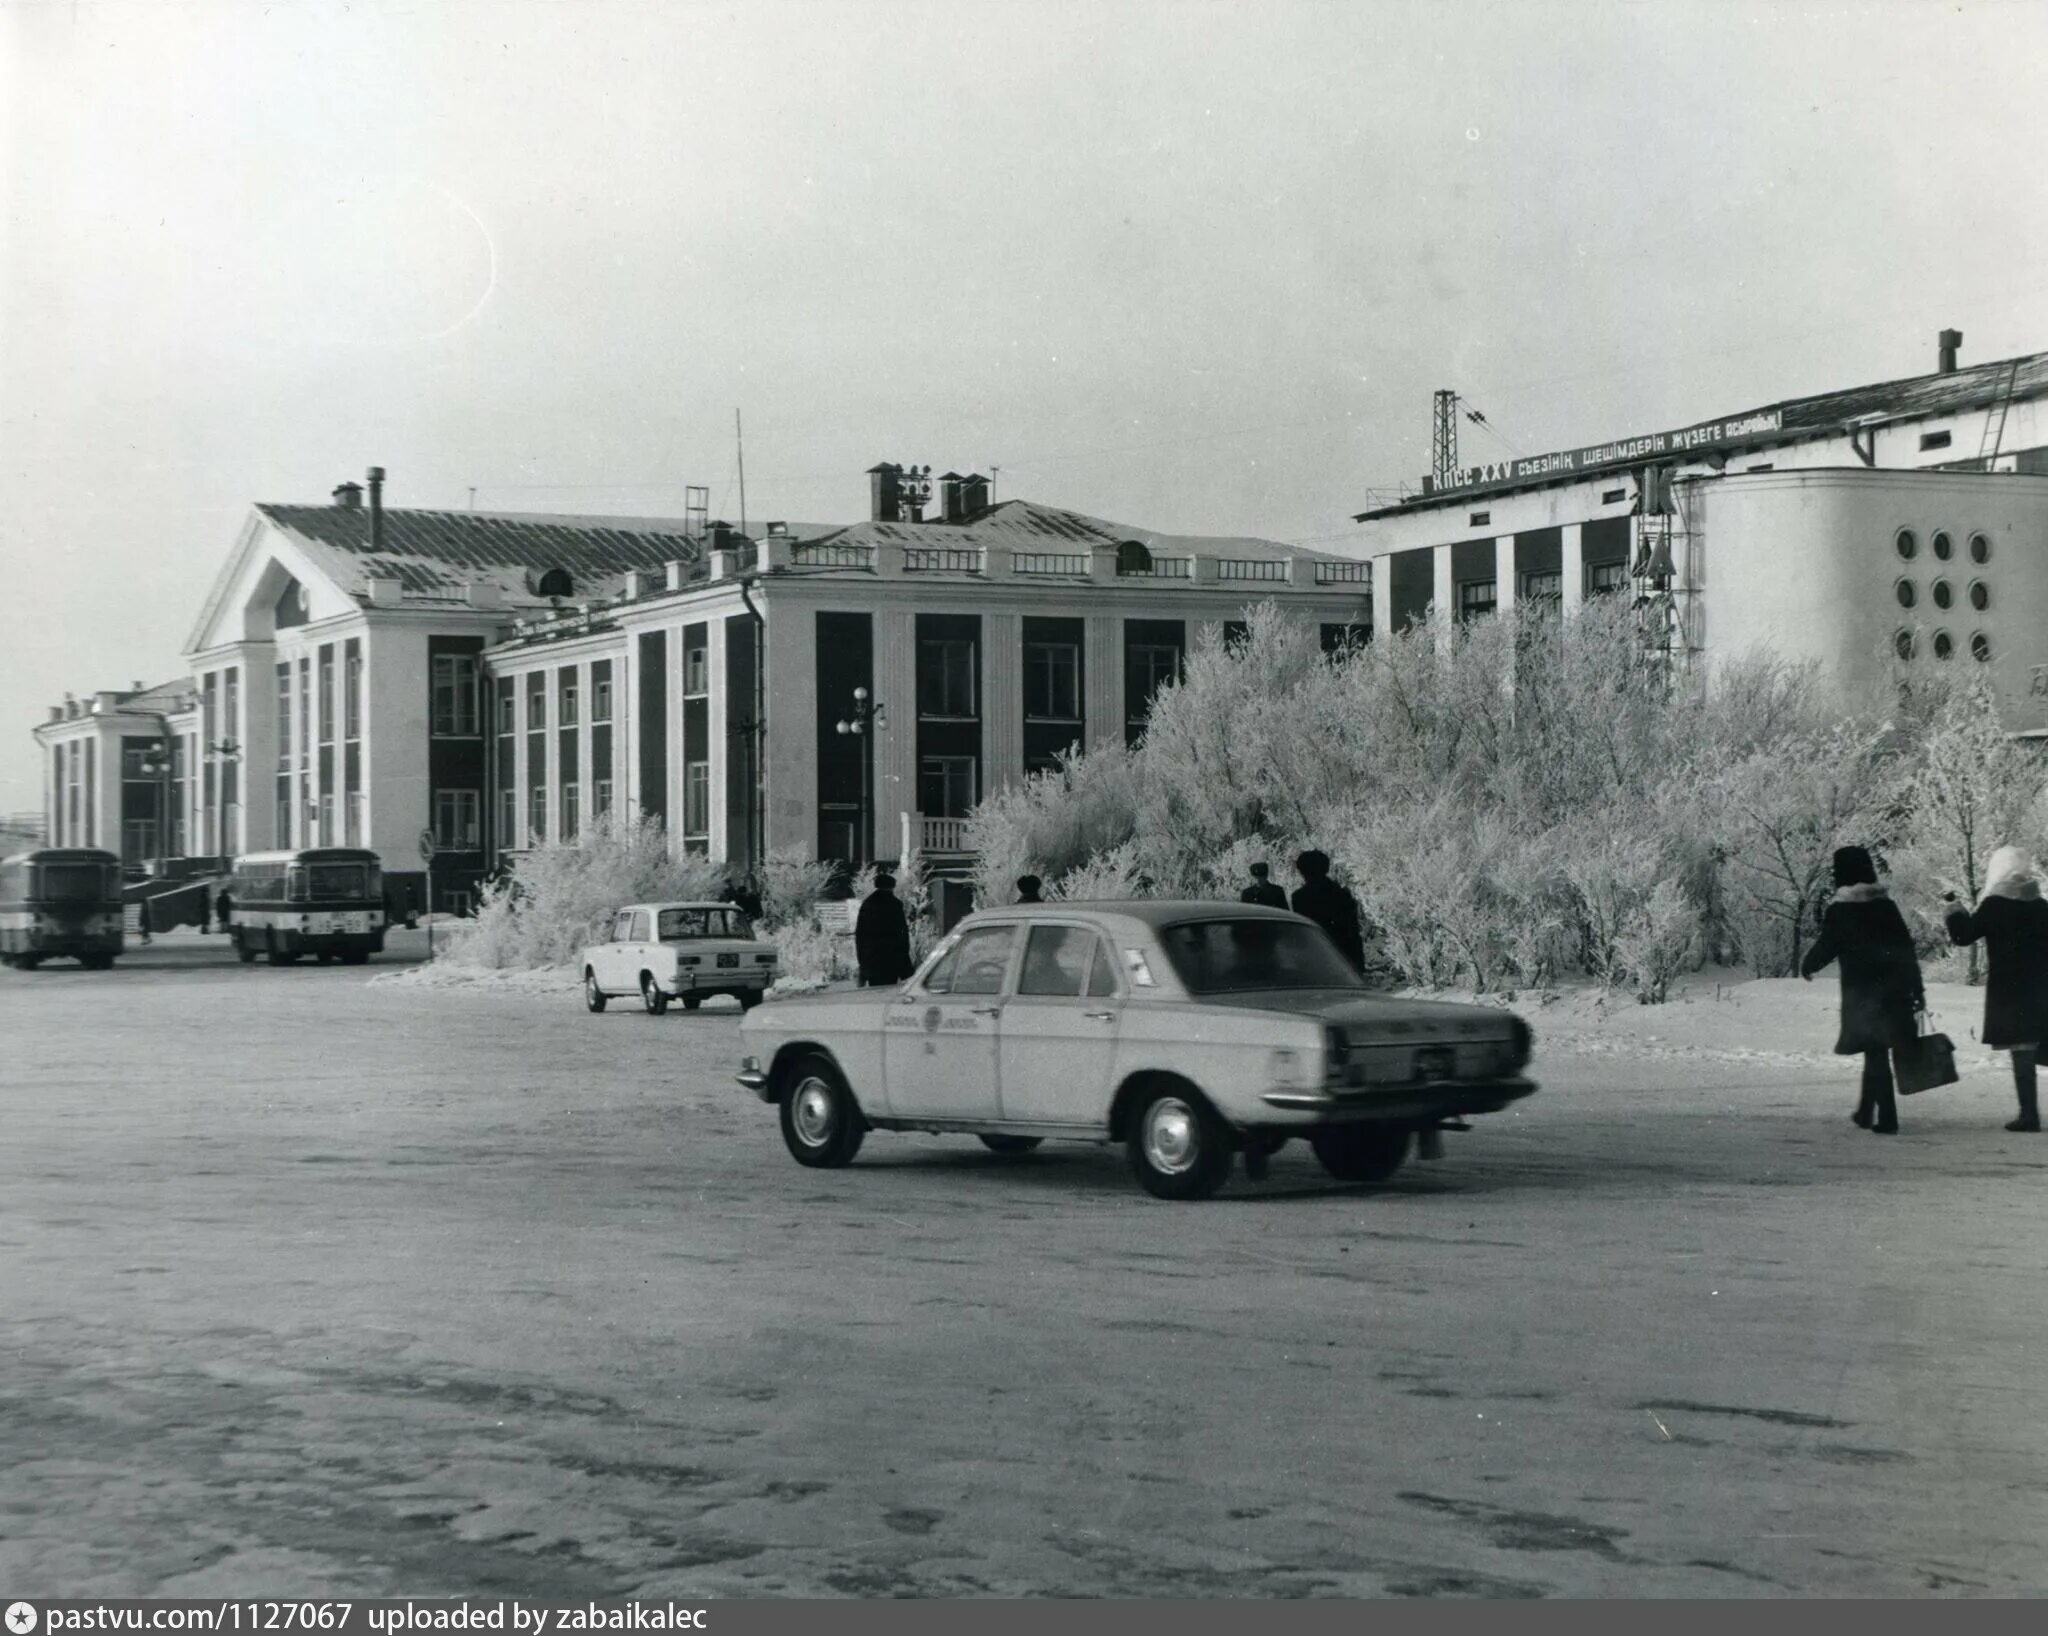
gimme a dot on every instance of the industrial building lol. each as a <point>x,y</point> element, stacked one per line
<point>1907,518</point>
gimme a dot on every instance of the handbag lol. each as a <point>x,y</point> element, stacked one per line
<point>1929,1060</point>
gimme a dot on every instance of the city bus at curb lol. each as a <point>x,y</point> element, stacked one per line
<point>324,901</point>
<point>58,903</point>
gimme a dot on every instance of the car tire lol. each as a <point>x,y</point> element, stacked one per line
<point>594,998</point>
<point>245,954</point>
<point>1361,1153</point>
<point>691,1001</point>
<point>748,998</point>
<point>1178,1148</point>
<point>27,962</point>
<point>651,995</point>
<point>821,1123</point>
<point>355,957</point>
<point>1009,1145</point>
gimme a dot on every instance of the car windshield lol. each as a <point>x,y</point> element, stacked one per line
<point>1222,956</point>
<point>338,880</point>
<point>72,882</point>
<point>680,925</point>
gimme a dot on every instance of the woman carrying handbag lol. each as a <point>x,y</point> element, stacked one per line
<point>1881,988</point>
<point>2012,919</point>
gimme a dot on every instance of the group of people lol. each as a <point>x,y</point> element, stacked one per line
<point>1883,996</point>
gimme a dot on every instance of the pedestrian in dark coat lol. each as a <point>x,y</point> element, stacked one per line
<point>1028,889</point>
<point>2012,919</point>
<point>1330,906</point>
<point>1881,988</point>
<point>1262,890</point>
<point>881,937</point>
<point>223,906</point>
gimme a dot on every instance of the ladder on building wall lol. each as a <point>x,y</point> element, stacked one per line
<point>1994,430</point>
<point>1665,570</point>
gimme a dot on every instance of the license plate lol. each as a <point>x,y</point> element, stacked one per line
<point>728,959</point>
<point>1435,1062</point>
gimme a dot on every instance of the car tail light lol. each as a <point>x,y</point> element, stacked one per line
<point>1336,1055</point>
<point>689,960</point>
<point>1283,1067</point>
<point>1525,1044</point>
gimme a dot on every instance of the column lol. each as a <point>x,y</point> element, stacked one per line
<point>1382,597</point>
<point>1505,586</point>
<point>1002,693</point>
<point>1443,594</point>
<point>1102,669</point>
<point>895,747</point>
<point>718,752</point>
<point>1574,566</point>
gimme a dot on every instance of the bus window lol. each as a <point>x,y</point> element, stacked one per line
<point>71,882</point>
<point>336,880</point>
<point>295,888</point>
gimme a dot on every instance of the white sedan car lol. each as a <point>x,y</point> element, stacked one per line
<point>1189,1032</point>
<point>678,951</point>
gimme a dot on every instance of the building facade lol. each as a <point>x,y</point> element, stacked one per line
<point>1908,518</point>
<point>359,676</point>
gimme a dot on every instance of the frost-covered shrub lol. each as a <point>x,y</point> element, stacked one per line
<point>1657,941</point>
<point>791,887</point>
<point>559,896</point>
<point>809,956</point>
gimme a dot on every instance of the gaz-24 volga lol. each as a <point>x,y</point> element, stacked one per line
<point>1189,1032</point>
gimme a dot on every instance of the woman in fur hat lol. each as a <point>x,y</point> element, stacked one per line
<point>1881,988</point>
<point>2012,919</point>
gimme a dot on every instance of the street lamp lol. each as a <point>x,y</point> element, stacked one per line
<point>156,761</point>
<point>866,712</point>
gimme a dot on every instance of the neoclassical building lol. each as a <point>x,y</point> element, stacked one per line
<point>360,674</point>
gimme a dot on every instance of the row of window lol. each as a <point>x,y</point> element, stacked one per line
<point>1944,594</point>
<point>1479,597</point>
<point>568,702</point>
<point>321,820</point>
<point>556,812</point>
<point>1906,644</point>
<point>1942,545</point>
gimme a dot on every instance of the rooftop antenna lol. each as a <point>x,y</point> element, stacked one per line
<point>740,440</point>
<point>994,472</point>
<point>1443,440</point>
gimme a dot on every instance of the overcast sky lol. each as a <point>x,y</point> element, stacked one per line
<point>1196,267</point>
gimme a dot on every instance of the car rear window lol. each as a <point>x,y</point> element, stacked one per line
<point>678,925</point>
<point>1226,956</point>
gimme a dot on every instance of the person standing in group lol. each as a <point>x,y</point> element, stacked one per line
<point>1028,889</point>
<point>881,937</point>
<point>1330,906</point>
<point>1881,987</point>
<point>142,919</point>
<point>223,906</point>
<point>2012,920</point>
<point>1262,890</point>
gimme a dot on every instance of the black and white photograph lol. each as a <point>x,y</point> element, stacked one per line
<point>878,800</point>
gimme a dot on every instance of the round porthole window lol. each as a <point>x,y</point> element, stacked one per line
<point>1980,595</point>
<point>1908,544</point>
<point>1944,594</point>
<point>1980,647</point>
<point>1944,547</point>
<point>1904,645</point>
<point>1980,549</point>
<point>1944,645</point>
<point>1907,595</point>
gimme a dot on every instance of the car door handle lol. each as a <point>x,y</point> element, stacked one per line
<point>988,1011</point>
<point>1099,1016</point>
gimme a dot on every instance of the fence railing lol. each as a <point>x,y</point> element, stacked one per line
<point>943,834</point>
<point>1249,568</point>
<point>1343,573</point>
<point>1161,568</point>
<point>941,559</point>
<point>1051,562</point>
<point>827,555</point>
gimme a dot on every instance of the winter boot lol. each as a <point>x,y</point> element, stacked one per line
<point>2023,1082</point>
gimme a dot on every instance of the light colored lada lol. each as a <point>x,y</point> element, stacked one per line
<point>678,951</point>
<point>1189,1032</point>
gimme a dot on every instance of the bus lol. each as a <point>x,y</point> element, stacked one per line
<point>325,901</point>
<point>60,902</point>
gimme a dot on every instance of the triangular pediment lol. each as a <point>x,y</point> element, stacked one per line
<point>269,582</point>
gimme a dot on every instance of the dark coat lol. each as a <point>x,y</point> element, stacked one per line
<point>881,940</point>
<point>1265,892</point>
<point>1334,909</point>
<point>1881,988</point>
<point>2015,934</point>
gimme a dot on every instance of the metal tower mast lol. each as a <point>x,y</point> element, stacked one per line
<point>1443,440</point>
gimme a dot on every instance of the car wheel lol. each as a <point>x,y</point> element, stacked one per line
<point>651,995</point>
<point>748,998</point>
<point>1361,1153</point>
<point>821,1124</point>
<point>1011,1144</point>
<point>355,957</point>
<point>27,962</point>
<point>1179,1149</point>
<point>691,1001</point>
<point>245,954</point>
<point>593,997</point>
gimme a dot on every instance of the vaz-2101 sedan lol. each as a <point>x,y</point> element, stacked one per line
<point>678,951</point>
<point>1187,1031</point>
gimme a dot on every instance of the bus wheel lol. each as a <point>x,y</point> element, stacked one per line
<point>355,957</point>
<point>28,962</point>
<point>325,957</point>
<point>245,954</point>
<point>277,957</point>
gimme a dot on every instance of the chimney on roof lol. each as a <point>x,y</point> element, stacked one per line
<point>973,495</point>
<point>349,496</point>
<point>1950,342</point>
<point>885,492</point>
<point>137,688</point>
<point>376,508</point>
<point>721,536</point>
<point>950,510</point>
